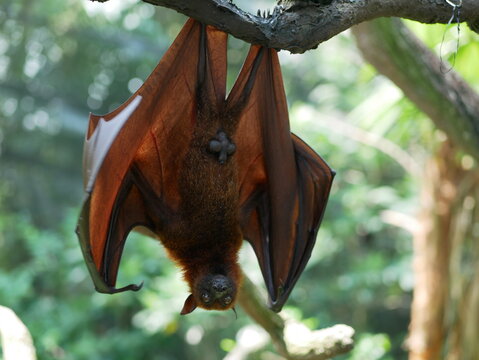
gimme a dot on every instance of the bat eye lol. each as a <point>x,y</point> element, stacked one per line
<point>227,300</point>
<point>206,298</point>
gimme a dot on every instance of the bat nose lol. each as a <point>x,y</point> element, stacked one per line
<point>220,285</point>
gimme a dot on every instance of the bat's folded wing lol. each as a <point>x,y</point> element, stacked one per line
<point>128,211</point>
<point>284,184</point>
<point>145,137</point>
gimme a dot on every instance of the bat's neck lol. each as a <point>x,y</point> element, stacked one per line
<point>211,258</point>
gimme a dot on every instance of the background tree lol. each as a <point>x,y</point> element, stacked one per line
<point>445,304</point>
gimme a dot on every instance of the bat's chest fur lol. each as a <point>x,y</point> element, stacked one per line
<point>209,196</point>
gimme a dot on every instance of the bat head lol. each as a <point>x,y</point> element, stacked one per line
<point>211,292</point>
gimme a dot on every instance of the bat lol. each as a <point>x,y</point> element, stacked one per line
<point>200,172</point>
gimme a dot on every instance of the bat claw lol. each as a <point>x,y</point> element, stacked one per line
<point>278,10</point>
<point>135,287</point>
<point>275,306</point>
<point>268,14</point>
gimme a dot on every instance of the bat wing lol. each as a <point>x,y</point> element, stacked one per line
<point>284,184</point>
<point>130,154</point>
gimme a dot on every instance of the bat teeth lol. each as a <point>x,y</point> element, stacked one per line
<point>258,13</point>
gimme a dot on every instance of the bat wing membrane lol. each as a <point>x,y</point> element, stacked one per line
<point>149,133</point>
<point>284,183</point>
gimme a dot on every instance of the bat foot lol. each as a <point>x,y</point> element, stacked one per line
<point>265,15</point>
<point>278,10</point>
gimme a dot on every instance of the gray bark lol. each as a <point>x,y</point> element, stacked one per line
<point>301,28</point>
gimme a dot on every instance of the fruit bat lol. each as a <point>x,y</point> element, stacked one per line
<point>201,172</point>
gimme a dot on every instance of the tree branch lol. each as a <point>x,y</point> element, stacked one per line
<point>16,340</point>
<point>446,98</point>
<point>300,28</point>
<point>293,340</point>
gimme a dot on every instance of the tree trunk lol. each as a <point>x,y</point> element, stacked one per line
<point>445,308</point>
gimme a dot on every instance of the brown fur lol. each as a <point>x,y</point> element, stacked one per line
<point>206,236</point>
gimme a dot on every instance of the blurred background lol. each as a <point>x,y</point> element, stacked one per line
<point>61,59</point>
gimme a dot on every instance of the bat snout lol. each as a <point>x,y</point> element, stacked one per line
<point>220,284</point>
<point>216,292</point>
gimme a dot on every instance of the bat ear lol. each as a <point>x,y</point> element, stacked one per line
<point>190,305</point>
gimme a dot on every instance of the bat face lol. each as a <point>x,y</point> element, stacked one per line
<point>215,292</point>
<point>212,292</point>
<point>202,171</point>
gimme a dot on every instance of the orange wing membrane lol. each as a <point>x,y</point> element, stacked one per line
<point>201,171</point>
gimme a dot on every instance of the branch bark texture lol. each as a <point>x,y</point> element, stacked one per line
<point>300,28</point>
<point>446,98</point>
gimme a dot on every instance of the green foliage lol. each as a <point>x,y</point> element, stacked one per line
<point>60,60</point>
<point>444,40</point>
<point>371,347</point>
